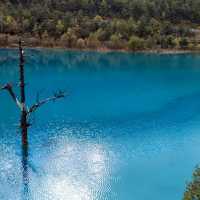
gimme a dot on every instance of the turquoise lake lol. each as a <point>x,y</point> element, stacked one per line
<point>128,130</point>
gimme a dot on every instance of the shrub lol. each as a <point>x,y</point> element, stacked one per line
<point>151,42</point>
<point>68,39</point>
<point>183,43</point>
<point>93,41</point>
<point>80,43</point>
<point>168,42</point>
<point>46,40</point>
<point>115,42</point>
<point>193,189</point>
<point>136,43</point>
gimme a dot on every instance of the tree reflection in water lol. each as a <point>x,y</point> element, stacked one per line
<point>25,172</point>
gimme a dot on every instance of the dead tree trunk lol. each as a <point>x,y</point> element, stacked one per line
<point>23,121</point>
<point>25,113</point>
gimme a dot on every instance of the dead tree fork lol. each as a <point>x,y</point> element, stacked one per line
<point>25,110</point>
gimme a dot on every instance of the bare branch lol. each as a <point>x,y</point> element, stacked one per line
<point>9,88</point>
<point>55,97</point>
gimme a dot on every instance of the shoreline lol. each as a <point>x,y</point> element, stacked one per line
<point>108,50</point>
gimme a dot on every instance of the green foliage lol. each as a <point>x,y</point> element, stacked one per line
<point>183,43</point>
<point>10,25</point>
<point>116,42</point>
<point>168,42</point>
<point>136,43</point>
<point>193,189</point>
<point>93,41</point>
<point>60,27</point>
<point>154,23</point>
<point>69,38</point>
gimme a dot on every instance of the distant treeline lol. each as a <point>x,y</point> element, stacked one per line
<point>115,24</point>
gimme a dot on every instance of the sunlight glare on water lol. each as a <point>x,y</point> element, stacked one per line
<point>129,128</point>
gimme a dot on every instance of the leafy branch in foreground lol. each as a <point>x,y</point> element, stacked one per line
<point>193,188</point>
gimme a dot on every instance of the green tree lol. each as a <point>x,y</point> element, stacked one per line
<point>116,42</point>
<point>183,43</point>
<point>168,42</point>
<point>153,21</point>
<point>102,34</point>
<point>123,28</point>
<point>46,40</point>
<point>93,41</point>
<point>193,189</point>
<point>155,27</point>
<point>60,27</point>
<point>69,38</point>
<point>136,43</point>
<point>10,25</point>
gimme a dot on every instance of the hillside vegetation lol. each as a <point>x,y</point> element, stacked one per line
<point>114,24</point>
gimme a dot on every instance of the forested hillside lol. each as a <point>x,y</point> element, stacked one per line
<point>116,24</point>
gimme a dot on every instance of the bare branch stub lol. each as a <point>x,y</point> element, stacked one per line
<point>55,97</point>
<point>9,88</point>
<point>21,103</point>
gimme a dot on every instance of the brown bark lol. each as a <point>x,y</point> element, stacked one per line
<point>25,112</point>
<point>23,121</point>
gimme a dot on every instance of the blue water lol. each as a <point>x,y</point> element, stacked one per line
<point>129,129</point>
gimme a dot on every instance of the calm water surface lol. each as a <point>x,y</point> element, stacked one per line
<point>129,129</point>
